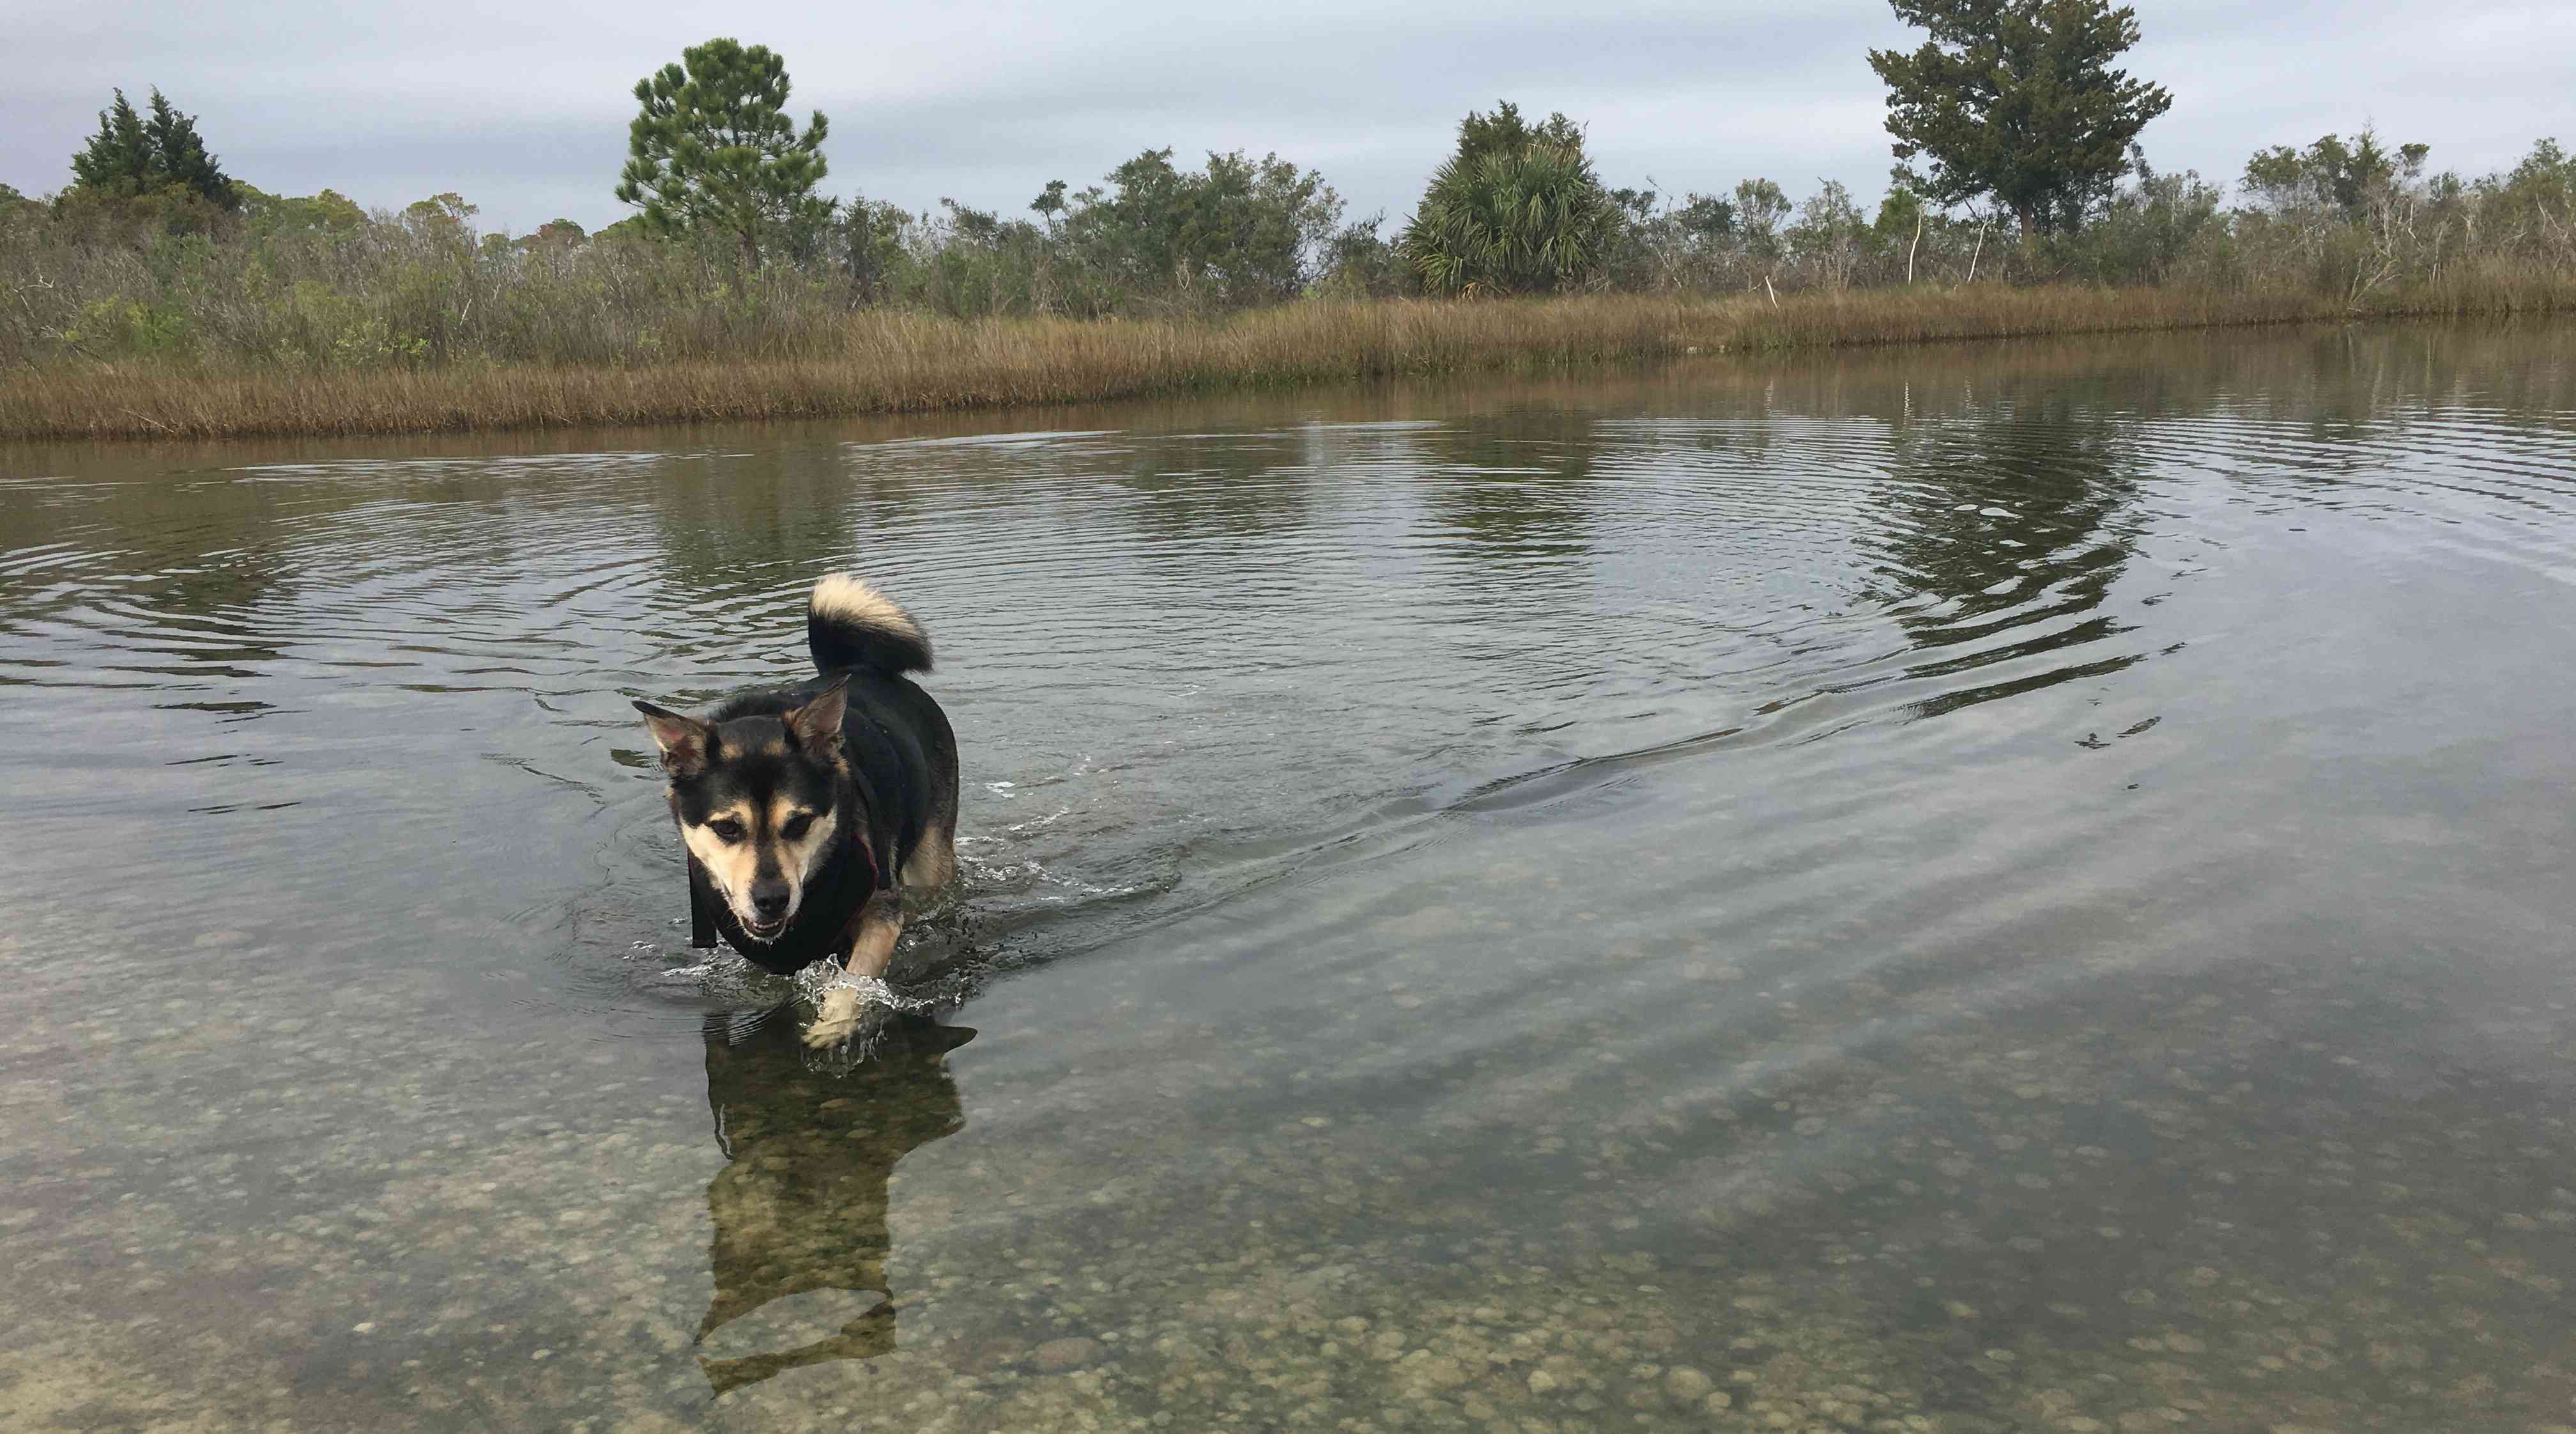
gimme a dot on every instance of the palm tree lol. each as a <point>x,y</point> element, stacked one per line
<point>1516,210</point>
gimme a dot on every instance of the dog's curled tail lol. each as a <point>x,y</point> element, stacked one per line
<point>849,624</point>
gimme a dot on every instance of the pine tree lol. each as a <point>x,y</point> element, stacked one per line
<point>713,150</point>
<point>2017,100</point>
<point>119,158</point>
<point>182,155</point>
<point>132,156</point>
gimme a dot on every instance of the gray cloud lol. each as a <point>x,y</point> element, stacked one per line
<point>523,108</point>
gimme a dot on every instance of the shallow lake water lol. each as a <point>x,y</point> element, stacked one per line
<point>1975,889</point>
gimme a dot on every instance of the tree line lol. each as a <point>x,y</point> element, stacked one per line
<point>2016,136</point>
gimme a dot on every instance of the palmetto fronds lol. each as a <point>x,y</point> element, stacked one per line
<point>1530,219</point>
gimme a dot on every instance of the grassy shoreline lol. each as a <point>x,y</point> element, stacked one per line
<point>892,362</point>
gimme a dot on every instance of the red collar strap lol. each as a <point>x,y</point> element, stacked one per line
<point>868,854</point>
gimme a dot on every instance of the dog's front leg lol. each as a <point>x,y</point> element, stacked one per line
<point>872,944</point>
<point>873,932</point>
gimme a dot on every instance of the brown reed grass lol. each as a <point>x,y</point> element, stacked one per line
<point>894,362</point>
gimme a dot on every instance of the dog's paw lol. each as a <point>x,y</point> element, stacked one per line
<point>835,1020</point>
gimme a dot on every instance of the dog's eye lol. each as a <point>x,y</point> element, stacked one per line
<point>726,829</point>
<point>797,826</point>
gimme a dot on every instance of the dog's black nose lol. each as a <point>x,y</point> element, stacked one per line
<point>769,899</point>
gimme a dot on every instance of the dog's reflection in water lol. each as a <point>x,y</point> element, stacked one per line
<point>800,1205</point>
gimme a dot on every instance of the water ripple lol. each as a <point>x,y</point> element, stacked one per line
<point>1191,658</point>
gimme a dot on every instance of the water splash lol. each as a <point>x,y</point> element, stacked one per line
<point>822,978</point>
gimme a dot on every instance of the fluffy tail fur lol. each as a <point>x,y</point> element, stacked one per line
<point>849,624</point>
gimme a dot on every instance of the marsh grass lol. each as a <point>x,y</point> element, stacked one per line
<point>882,361</point>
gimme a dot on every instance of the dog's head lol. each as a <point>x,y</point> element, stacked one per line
<point>758,799</point>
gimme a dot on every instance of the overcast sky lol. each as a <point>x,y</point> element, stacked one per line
<point>523,107</point>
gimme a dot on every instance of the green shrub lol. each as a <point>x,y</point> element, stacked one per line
<point>1516,210</point>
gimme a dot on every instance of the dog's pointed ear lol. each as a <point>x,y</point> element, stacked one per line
<point>684,741</point>
<point>817,725</point>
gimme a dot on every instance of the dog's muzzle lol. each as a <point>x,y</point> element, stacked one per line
<point>772,903</point>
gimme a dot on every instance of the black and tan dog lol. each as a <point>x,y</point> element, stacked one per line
<point>807,809</point>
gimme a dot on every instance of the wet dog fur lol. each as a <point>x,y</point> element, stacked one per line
<point>807,809</point>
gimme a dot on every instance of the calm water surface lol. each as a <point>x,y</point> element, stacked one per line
<point>2015,888</point>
